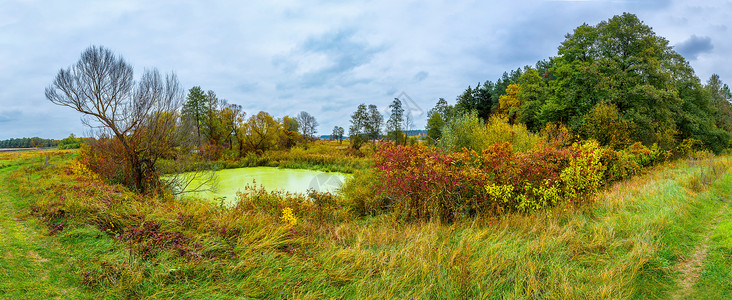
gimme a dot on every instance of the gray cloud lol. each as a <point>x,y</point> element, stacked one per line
<point>695,45</point>
<point>9,116</point>
<point>324,57</point>
<point>421,75</point>
<point>327,60</point>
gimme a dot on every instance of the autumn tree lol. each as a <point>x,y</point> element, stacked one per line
<point>605,124</point>
<point>290,133</point>
<point>509,103</point>
<point>231,116</point>
<point>260,132</point>
<point>140,117</point>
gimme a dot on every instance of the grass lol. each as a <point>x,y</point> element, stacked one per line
<point>33,264</point>
<point>714,280</point>
<point>626,245</point>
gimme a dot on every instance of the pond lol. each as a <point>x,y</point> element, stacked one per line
<point>228,182</point>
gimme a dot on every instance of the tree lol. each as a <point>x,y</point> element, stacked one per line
<point>436,119</point>
<point>141,119</point>
<point>260,132</point>
<point>357,130</point>
<point>481,99</point>
<point>394,124</point>
<point>230,119</point>
<point>213,123</point>
<point>194,110</point>
<point>307,124</point>
<point>289,136</point>
<point>337,134</point>
<point>71,142</point>
<point>509,103</point>
<point>720,97</point>
<point>408,121</point>
<point>531,95</point>
<point>604,124</point>
<point>373,123</point>
<point>621,61</point>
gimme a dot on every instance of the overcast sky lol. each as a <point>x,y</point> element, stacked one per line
<point>323,57</point>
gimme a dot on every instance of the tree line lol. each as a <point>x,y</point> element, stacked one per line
<point>28,142</point>
<point>616,82</point>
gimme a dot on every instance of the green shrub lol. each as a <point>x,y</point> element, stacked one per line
<point>468,131</point>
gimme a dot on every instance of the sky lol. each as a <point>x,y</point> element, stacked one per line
<point>322,57</point>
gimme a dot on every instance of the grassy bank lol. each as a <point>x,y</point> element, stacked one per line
<point>629,244</point>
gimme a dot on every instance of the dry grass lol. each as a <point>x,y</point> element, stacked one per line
<point>625,245</point>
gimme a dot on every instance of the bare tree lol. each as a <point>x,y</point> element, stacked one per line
<point>408,121</point>
<point>141,117</point>
<point>307,124</point>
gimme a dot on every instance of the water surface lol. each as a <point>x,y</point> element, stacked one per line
<point>228,182</point>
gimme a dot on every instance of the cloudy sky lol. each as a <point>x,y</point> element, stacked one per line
<point>323,57</point>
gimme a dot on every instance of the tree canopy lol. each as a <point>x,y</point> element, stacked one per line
<point>618,71</point>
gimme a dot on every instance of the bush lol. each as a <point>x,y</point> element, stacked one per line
<point>427,183</point>
<point>468,132</point>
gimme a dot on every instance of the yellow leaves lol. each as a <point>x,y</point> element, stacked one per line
<point>583,177</point>
<point>509,103</point>
<point>287,217</point>
<point>82,171</point>
<point>503,193</point>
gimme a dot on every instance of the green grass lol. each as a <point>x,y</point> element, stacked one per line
<point>714,281</point>
<point>33,265</point>
<point>626,245</point>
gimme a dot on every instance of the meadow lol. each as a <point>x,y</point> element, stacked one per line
<point>599,173</point>
<point>67,234</point>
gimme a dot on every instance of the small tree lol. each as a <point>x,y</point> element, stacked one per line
<point>307,124</point>
<point>437,117</point>
<point>337,134</point>
<point>394,124</point>
<point>373,123</point>
<point>357,130</point>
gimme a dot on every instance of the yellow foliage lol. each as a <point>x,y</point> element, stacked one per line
<point>545,195</point>
<point>583,177</point>
<point>287,217</point>
<point>82,171</point>
<point>503,193</point>
<point>509,103</point>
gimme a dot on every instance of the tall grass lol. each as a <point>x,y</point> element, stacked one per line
<point>127,246</point>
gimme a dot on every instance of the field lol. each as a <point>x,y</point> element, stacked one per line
<point>664,234</point>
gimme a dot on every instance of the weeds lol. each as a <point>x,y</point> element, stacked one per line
<point>624,246</point>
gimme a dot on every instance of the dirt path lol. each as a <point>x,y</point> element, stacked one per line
<point>691,268</point>
<point>32,265</point>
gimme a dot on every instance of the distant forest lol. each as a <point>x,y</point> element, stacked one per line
<point>71,142</point>
<point>28,143</point>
